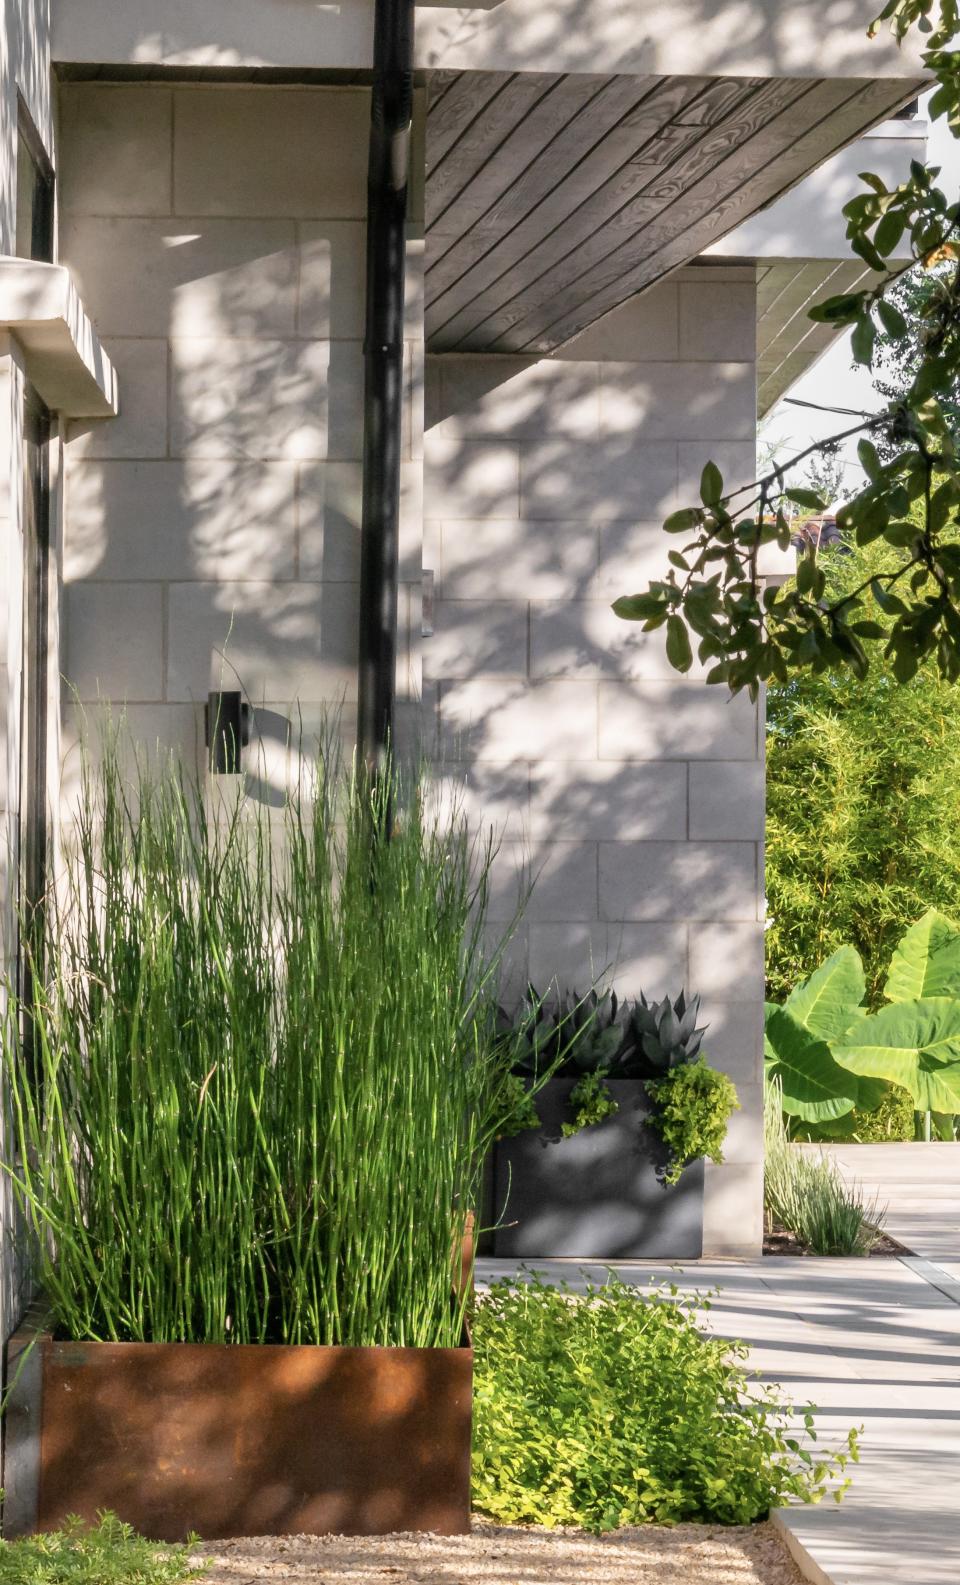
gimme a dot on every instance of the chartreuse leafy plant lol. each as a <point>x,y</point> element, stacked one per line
<point>829,1056</point>
<point>262,1072</point>
<point>713,596</point>
<point>108,1553</point>
<point>692,1106</point>
<point>592,1101</point>
<point>611,1407</point>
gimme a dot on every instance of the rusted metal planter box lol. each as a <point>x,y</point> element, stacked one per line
<point>595,1195</point>
<point>239,1440</point>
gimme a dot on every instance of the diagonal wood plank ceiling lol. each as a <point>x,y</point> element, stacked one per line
<point>552,199</point>
<point>787,341</point>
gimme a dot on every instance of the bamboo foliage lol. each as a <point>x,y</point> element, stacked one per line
<point>261,1073</point>
<point>862,829</point>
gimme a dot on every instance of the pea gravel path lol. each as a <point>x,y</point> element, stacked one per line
<point>685,1555</point>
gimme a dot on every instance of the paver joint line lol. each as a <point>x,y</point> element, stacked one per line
<point>943,1281</point>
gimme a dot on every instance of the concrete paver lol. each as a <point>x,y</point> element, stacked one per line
<point>920,1186</point>
<point>873,1343</point>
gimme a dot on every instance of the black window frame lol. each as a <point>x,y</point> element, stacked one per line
<point>44,188</point>
<point>33,818</point>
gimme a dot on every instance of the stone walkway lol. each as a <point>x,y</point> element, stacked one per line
<point>872,1342</point>
<point>920,1186</point>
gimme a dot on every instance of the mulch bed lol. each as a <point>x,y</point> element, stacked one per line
<point>777,1241</point>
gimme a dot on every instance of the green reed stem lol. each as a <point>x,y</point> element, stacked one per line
<point>267,1072</point>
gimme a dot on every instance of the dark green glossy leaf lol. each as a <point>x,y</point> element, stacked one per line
<point>679,653</point>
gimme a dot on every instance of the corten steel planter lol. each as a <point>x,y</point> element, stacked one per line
<point>595,1195</point>
<point>234,1440</point>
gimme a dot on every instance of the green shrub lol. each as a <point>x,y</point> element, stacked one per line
<point>268,1069</point>
<point>894,1118</point>
<point>109,1553</point>
<point>692,1107</point>
<point>807,1196</point>
<point>592,1101</point>
<point>613,1408</point>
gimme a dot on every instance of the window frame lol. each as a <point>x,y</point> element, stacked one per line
<point>43,209</point>
<point>33,817</point>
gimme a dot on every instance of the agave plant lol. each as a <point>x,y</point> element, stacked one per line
<point>599,1033</point>
<point>661,1036</point>
<point>597,1037</point>
<point>573,1034</point>
<point>591,1027</point>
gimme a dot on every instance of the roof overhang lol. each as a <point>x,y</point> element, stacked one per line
<point>576,153</point>
<point>552,200</point>
<point>802,253</point>
<point>753,38</point>
<point>62,354</point>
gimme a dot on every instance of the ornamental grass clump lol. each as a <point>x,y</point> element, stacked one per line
<point>610,1407</point>
<point>261,1071</point>
<point>806,1195</point>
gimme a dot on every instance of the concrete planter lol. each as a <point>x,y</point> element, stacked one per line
<point>595,1195</point>
<point>239,1440</point>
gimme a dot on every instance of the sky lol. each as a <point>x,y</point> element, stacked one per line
<point>834,380</point>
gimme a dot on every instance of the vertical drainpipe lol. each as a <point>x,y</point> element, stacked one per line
<point>390,123</point>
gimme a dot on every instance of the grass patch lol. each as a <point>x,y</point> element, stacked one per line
<point>808,1197</point>
<point>109,1553</point>
<point>615,1409</point>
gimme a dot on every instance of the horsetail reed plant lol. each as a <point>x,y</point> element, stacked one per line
<point>267,1069</point>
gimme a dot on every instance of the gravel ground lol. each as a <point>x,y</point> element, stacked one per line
<point>684,1555</point>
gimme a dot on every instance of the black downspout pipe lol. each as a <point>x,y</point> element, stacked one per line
<point>390,122</point>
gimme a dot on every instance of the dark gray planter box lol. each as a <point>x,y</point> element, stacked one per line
<point>595,1195</point>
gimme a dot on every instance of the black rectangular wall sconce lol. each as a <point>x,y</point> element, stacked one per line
<point>227,731</point>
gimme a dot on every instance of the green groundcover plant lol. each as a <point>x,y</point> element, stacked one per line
<point>254,1093</point>
<point>108,1553</point>
<point>612,1408</point>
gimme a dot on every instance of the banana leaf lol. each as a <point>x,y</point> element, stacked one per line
<point>927,961</point>
<point>914,1044</point>
<point>828,1003</point>
<point>814,1087</point>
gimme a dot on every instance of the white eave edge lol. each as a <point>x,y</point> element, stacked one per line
<point>64,360</point>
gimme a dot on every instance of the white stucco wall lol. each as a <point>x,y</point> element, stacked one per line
<point>217,236</point>
<point>635,796</point>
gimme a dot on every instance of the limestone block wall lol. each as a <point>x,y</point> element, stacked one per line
<point>212,530</point>
<point>635,796</point>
